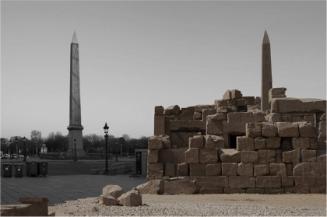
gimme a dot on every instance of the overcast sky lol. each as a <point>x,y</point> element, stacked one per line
<point>135,55</point>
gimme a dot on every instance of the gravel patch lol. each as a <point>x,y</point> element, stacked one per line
<point>204,205</point>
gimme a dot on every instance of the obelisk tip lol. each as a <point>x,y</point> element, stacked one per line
<point>265,38</point>
<point>74,39</point>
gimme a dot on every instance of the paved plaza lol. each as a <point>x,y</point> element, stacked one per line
<point>62,188</point>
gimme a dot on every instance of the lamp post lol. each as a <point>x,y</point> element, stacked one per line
<point>106,129</point>
<point>25,151</point>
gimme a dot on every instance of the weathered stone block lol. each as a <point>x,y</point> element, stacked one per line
<point>170,170</point>
<point>172,110</point>
<point>182,169</point>
<point>153,156</point>
<point>273,117</point>
<point>230,156</point>
<point>166,142</point>
<point>214,124</point>
<point>268,182</point>
<point>208,156</point>
<point>229,169</point>
<point>304,181</point>
<point>192,155</point>
<point>289,169</point>
<point>249,156</point>
<point>273,142</point>
<point>197,169</point>
<point>179,186</point>
<point>259,143</point>
<point>261,170</point>
<point>277,169</point>
<point>196,141</point>
<point>287,181</point>
<point>211,184</point>
<point>245,169</point>
<point>214,142</point>
<point>155,170</point>
<point>213,169</point>
<point>291,156</point>
<point>155,142</point>
<point>253,129</point>
<point>266,156</point>
<point>154,186</point>
<point>244,143</point>
<point>180,139</point>
<point>304,169</point>
<point>259,116</point>
<point>307,129</point>
<point>241,182</point>
<point>308,155</point>
<point>287,129</point>
<point>302,143</point>
<point>173,155</point>
<point>197,115</point>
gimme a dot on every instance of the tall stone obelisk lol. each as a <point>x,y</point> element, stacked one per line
<point>266,74</point>
<point>75,127</point>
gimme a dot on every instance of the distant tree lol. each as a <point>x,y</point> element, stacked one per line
<point>4,145</point>
<point>36,141</point>
<point>56,142</point>
<point>93,143</point>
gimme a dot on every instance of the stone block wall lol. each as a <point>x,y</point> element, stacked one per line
<point>274,152</point>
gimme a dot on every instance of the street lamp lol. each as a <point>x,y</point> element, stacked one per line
<point>25,151</point>
<point>106,129</point>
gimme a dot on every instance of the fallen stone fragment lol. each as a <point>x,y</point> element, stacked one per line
<point>131,198</point>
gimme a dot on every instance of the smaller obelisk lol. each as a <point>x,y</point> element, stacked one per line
<point>75,137</point>
<point>266,73</point>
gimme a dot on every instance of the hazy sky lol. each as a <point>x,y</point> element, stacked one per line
<point>135,55</point>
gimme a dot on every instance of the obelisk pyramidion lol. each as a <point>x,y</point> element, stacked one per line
<point>266,74</point>
<point>75,127</point>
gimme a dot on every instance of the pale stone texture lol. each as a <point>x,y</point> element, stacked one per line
<point>261,170</point>
<point>287,129</point>
<point>196,141</point>
<point>269,129</point>
<point>214,142</point>
<point>259,143</point>
<point>244,143</point>
<point>112,190</point>
<point>245,169</point>
<point>208,156</point>
<point>249,156</point>
<point>154,186</point>
<point>131,198</point>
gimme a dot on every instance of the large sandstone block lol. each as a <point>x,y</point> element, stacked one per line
<point>173,155</point>
<point>245,169</point>
<point>192,155</point>
<point>170,170</point>
<point>241,182</point>
<point>266,156</point>
<point>244,143</point>
<point>232,94</point>
<point>304,181</point>
<point>305,169</point>
<point>186,113</point>
<point>213,169</point>
<point>182,169</point>
<point>291,156</point>
<point>155,142</point>
<point>253,129</point>
<point>197,169</point>
<point>277,169</point>
<point>186,125</point>
<point>215,181</point>
<point>259,143</point>
<point>273,142</point>
<point>112,190</point>
<point>273,117</point>
<point>288,105</point>
<point>307,129</point>
<point>180,139</point>
<point>261,170</point>
<point>308,155</point>
<point>208,156</point>
<point>153,156</point>
<point>131,198</point>
<point>268,182</point>
<point>108,200</point>
<point>196,141</point>
<point>301,143</point>
<point>214,142</point>
<point>179,186</point>
<point>230,156</point>
<point>287,181</point>
<point>214,124</point>
<point>172,110</point>
<point>259,116</point>
<point>229,169</point>
<point>287,129</point>
<point>154,186</point>
<point>249,156</point>
<point>155,170</point>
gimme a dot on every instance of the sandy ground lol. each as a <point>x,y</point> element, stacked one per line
<point>200,205</point>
